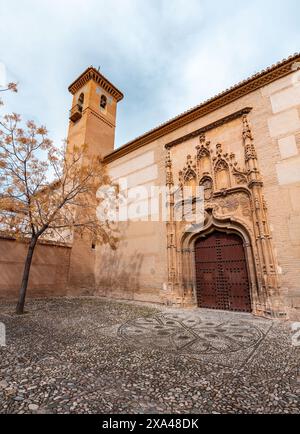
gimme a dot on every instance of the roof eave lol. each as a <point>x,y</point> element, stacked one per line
<point>92,74</point>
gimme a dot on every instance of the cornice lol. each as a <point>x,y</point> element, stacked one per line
<point>243,88</point>
<point>92,74</point>
<point>99,116</point>
<point>209,127</point>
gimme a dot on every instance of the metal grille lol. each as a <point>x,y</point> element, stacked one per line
<point>221,273</point>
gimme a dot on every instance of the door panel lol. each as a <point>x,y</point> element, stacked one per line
<point>221,273</point>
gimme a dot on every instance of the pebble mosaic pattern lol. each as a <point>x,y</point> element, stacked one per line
<point>212,336</point>
<point>89,355</point>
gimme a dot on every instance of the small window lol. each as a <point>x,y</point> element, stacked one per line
<point>81,101</point>
<point>103,101</point>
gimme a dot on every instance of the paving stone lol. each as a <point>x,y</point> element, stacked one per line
<point>90,355</point>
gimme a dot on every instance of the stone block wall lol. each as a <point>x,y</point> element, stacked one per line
<point>49,273</point>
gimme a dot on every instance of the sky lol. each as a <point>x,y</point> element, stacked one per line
<point>166,56</point>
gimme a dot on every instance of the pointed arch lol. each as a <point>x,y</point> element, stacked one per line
<point>190,181</point>
<point>228,225</point>
<point>222,174</point>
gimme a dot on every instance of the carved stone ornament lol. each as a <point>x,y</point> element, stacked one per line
<point>247,134</point>
<point>221,165</point>
<point>239,174</point>
<point>169,173</point>
<point>207,185</point>
<point>203,149</point>
<point>189,171</point>
<point>240,177</point>
<point>250,151</point>
<point>230,204</point>
<point>221,159</point>
<point>233,202</point>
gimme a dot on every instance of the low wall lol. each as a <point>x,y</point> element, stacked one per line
<point>49,271</point>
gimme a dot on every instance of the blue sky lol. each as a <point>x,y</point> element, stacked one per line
<point>164,55</point>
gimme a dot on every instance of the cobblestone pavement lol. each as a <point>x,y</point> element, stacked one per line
<point>87,355</point>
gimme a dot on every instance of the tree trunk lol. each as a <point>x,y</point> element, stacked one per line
<point>24,284</point>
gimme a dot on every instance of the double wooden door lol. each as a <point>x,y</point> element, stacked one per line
<point>221,273</point>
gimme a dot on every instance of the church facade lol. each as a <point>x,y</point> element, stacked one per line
<point>243,148</point>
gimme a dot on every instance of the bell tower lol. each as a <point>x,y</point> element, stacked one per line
<point>93,113</point>
<point>92,123</point>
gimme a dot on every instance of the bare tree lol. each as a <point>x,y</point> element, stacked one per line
<point>32,207</point>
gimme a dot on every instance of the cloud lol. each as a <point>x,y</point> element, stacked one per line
<point>166,56</point>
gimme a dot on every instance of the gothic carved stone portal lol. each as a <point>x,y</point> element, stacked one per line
<point>234,202</point>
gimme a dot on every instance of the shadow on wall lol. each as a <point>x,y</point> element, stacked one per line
<point>119,274</point>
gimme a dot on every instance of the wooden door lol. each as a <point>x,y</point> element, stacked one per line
<point>221,273</point>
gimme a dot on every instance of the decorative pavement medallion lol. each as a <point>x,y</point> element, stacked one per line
<point>224,338</point>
